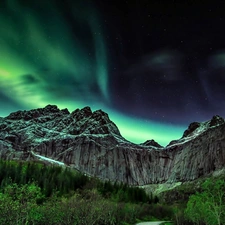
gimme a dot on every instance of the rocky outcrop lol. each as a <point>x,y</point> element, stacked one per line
<point>152,143</point>
<point>91,142</point>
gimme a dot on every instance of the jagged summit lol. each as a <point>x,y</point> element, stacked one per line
<point>91,142</point>
<point>152,143</point>
<point>79,121</point>
<point>36,113</point>
<point>198,128</point>
<point>191,128</point>
<point>216,121</point>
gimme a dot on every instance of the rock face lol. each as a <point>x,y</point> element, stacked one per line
<point>91,142</point>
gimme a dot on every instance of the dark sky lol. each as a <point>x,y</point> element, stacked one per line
<point>169,58</point>
<point>153,66</point>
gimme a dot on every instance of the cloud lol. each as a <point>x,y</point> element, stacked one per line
<point>166,64</point>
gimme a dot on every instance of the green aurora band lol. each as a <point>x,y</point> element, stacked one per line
<point>42,61</point>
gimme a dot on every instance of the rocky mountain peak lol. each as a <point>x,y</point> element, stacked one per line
<point>191,128</point>
<point>197,128</point>
<point>99,115</point>
<point>216,120</point>
<point>89,122</point>
<point>151,143</point>
<point>36,113</point>
<point>49,109</point>
<point>79,114</point>
<point>91,142</point>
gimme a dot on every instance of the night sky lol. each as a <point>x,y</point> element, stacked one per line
<point>154,67</point>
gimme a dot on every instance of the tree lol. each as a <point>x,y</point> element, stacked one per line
<point>18,203</point>
<point>209,205</point>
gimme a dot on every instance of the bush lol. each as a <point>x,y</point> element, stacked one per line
<point>208,206</point>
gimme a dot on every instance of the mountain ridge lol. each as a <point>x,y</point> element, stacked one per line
<point>91,143</point>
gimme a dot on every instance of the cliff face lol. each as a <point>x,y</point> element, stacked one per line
<point>91,143</point>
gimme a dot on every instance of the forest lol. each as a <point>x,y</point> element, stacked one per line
<point>34,193</point>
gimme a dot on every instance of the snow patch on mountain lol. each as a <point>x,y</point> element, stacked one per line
<point>48,159</point>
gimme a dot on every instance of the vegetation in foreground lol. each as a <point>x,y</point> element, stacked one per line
<point>34,193</point>
<point>208,206</point>
<point>205,207</point>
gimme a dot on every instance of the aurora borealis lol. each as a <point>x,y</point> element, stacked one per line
<point>153,67</point>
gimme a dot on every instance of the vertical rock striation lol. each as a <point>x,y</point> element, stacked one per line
<point>91,142</point>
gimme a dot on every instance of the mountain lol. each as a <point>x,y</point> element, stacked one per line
<point>91,143</point>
